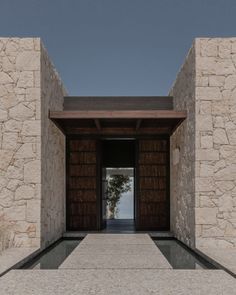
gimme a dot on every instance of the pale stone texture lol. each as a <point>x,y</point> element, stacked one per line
<point>53,148</point>
<point>203,184</point>
<point>31,164</point>
<point>118,282</point>
<point>96,258</point>
<point>183,173</point>
<point>218,224</point>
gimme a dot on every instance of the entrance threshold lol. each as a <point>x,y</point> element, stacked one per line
<point>119,226</point>
<point>152,234</point>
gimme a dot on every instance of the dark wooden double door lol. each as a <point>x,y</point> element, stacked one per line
<point>83,181</point>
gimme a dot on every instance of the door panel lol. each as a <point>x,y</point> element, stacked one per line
<point>153,184</point>
<point>82,205</point>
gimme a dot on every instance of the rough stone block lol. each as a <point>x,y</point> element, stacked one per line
<point>9,141</point>
<point>12,125</point>
<point>225,48</point>
<point>28,61</point>
<point>26,79</point>
<point>204,184</point>
<point>204,123</point>
<point>5,78</point>
<point>205,215</point>
<point>27,43</point>
<point>25,151</point>
<point>206,201</point>
<point>32,172</point>
<point>209,47</point>
<point>5,156</point>
<point>14,172</point>
<point>228,173</point>
<point>208,93</point>
<point>3,115</point>
<point>24,192</point>
<point>31,128</point>
<point>33,210</point>
<point>207,155</point>
<point>230,82</point>
<point>206,141</point>
<point>212,232</point>
<point>205,107</point>
<point>21,112</point>
<point>217,81</point>
<point>15,213</point>
<point>6,198</point>
<point>219,136</point>
<point>206,170</point>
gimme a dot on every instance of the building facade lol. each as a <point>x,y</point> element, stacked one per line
<point>184,146</point>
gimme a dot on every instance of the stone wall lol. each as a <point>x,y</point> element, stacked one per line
<point>203,148</point>
<point>20,133</point>
<point>53,155</point>
<point>216,142</point>
<point>182,155</point>
<point>27,157</point>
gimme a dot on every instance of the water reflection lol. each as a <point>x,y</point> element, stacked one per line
<point>54,257</point>
<point>179,257</point>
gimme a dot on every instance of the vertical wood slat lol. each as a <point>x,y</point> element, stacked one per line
<point>81,184</point>
<point>153,184</point>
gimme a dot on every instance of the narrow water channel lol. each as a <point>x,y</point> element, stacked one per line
<point>54,256</point>
<point>180,257</point>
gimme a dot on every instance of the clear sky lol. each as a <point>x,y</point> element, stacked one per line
<point>118,47</point>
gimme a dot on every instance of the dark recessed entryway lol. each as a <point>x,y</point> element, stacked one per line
<point>111,136</point>
<point>118,184</point>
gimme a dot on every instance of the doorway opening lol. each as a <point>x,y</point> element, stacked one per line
<point>118,185</point>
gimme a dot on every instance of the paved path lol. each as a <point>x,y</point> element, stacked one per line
<point>226,257</point>
<point>116,251</point>
<point>117,265</point>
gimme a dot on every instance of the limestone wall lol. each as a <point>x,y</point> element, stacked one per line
<point>216,142</point>
<point>53,155</point>
<point>31,163</point>
<point>203,148</point>
<point>20,133</point>
<point>182,155</point>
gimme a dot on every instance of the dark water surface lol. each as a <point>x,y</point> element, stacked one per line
<point>180,257</point>
<point>54,257</point>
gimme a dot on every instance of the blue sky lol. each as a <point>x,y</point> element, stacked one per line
<point>118,47</point>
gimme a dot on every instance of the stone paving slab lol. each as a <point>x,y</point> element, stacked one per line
<point>94,261</point>
<point>117,282</point>
<point>15,256</point>
<point>224,256</point>
<point>117,249</point>
<point>111,239</point>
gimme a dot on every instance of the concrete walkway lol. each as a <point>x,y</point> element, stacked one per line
<point>226,257</point>
<point>15,257</point>
<point>117,264</point>
<point>116,251</point>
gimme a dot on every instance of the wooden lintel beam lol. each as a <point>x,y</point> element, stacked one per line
<point>98,125</point>
<point>150,114</point>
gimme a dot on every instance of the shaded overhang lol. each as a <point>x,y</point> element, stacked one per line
<point>117,121</point>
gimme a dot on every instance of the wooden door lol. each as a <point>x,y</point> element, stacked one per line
<point>82,185</point>
<point>153,184</point>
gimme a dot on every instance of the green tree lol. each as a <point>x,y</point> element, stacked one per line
<point>117,185</point>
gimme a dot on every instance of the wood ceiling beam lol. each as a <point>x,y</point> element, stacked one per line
<point>152,114</point>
